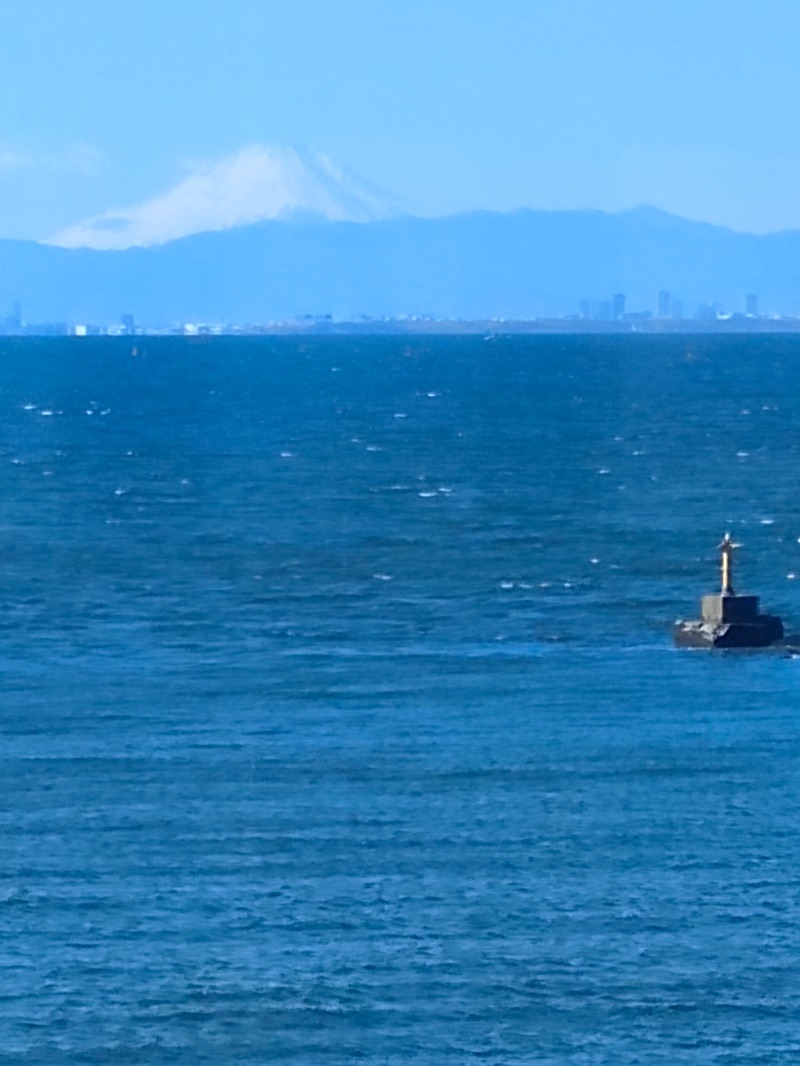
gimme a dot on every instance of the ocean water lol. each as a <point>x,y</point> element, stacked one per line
<point>340,717</point>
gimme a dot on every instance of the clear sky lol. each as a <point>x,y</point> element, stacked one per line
<point>690,105</point>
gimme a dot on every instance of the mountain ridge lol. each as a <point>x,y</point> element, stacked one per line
<point>481,264</point>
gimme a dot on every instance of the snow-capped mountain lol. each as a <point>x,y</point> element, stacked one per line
<point>259,183</point>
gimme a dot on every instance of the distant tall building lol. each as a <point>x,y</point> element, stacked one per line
<point>128,325</point>
<point>677,310</point>
<point>12,321</point>
<point>708,312</point>
<point>585,309</point>
<point>618,305</point>
<point>664,305</point>
<point>751,305</point>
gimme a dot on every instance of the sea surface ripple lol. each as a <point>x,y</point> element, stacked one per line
<point>341,720</point>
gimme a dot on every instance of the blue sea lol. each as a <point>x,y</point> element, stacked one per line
<point>341,721</point>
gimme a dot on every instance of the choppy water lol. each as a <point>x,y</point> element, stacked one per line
<point>340,717</point>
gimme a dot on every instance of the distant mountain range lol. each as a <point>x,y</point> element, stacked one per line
<point>479,265</point>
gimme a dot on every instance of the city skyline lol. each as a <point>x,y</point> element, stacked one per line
<point>667,310</point>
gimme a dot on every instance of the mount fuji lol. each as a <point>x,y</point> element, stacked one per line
<point>258,184</point>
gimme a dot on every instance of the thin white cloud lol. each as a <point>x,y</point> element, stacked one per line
<point>13,159</point>
<point>260,182</point>
<point>79,158</point>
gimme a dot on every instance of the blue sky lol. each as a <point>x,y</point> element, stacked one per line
<point>448,104</point>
